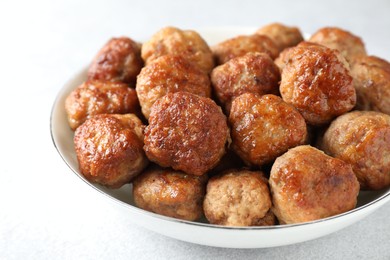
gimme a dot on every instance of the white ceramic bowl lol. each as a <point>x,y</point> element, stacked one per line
<point>196,232</point>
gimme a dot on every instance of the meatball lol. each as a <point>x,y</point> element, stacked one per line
<point>168,74</point>
<point>170,193</point>
<point>349,45</point>
<point>95,97</point>
<point>119,60</point>
<point>253,73</point>
<point>237,198</point>
<point>284,36</point>
<point>371,77</point>
<point>186,43</point>
<point>241,45</point>
<point>316,80</point>
<point>109,149</point>
<point>307,185</point>
<point>186,132</point>
<point>264,127</point>
<point>362,139</point>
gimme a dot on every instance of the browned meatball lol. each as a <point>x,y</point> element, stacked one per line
<point>252,73</point>
<point>284,36</point>
<point>371,77</point>
<point>186,132</point>
<point>95,97</point>
<point>316,80</point>
<point>169,74</point>
<point>119,60</point>
<point>241,45</point>
<point>362,139</point>
<point>187,43</point>
<point>170,193</point>
<point>109,149</point>
<point>307,184</point>
<point>237,198</point>
<point>264,127</point>
<point>348,44</point>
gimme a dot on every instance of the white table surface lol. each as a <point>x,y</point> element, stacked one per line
<point>46,212</point>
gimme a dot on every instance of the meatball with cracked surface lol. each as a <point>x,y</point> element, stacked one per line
<point>362,139</point>
<point>238,198</point>
<point>119,60</point>
<point>371,77</point>
<point>170,193</point>
<point>252,73</point>
<point>243,44</point>
<point>109,149</point>
<point>316,80</point>
<point>264,127</point>
<point>187,43</point>
<point>169,74</point>
<point>95,97</point>
<point>348,44</point>
<point>284,36</point>
<point>186,132</point>
<point>307,185</point>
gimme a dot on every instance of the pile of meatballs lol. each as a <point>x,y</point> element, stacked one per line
<point>257,130</point>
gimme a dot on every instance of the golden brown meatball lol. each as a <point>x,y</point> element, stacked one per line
<point>169,74</point>
<point>170,193</point>
<point>348,44</point>
<point>237,198</point>
<point>371,77</point>
<point>186,43</point>
<point>109,149</point>
<point>186,132</point>
<point>316,81</point>
<point>284,36</point>
<point>252,73</point>
<point>95,97</point>
<point>264,127</point>
<point>362,139</point>
<point>307,184</point>
<point>241,45</point>
<point>119,60</point>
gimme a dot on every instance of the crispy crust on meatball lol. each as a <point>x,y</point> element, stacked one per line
<point>187,43</point>
<point>169,74</point>
<point>264,127</point>
<point>118,60</point>
<point>238,198</point>
<point>170,193</point>
<point>307,185</point>
<point>243,44</point>
<point>251,73</point>
<point>348,44</point>
<point>109,149</point>
<point>362,139</point>
<point>316,80</point>
<point>371,77</point>
<point>186,132</point>
<point>95,97</point>
<point>284,36</point>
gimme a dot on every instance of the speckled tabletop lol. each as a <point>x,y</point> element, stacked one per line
<point>48,213</point>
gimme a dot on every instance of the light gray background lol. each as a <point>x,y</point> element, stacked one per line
<point>48,213</point>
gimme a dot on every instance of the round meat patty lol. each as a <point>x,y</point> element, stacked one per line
<point>170,193</point>
<point>109,149</point>
<point>264,127</point>
<point>169,74</point>
<point>118,60</point>
<point>362,139</point>
<point>238,198</point>
<point>95,97</point>
<point>186,132</point>
<point>307,185</point>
